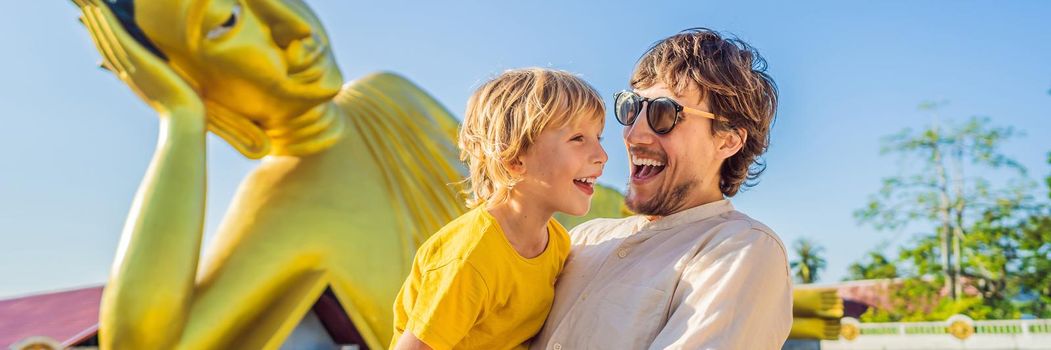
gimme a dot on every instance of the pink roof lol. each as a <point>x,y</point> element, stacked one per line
<point>71,317</point>
<point>870,292</point>
<point>879,293</point>
<point>68,317</point>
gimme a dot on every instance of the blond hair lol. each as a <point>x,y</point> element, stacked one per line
<point>506,114</point>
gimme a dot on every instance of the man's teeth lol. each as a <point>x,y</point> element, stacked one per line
<point>646,161</point>
<point>587,180</point>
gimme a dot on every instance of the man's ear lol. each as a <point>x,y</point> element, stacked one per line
<point>731,142</point>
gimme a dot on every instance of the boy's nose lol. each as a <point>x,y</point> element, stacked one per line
<point>602,156</point>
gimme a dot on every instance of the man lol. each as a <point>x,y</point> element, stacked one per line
<point>689,271</point>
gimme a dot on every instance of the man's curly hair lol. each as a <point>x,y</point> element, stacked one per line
<point>731,76</point>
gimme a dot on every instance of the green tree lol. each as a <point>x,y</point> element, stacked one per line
<point>808,262</point>
<point>998,240</point>
<point>941,192</point>
<point>874,265</point>
<point>1035,264</point>
<point>1007,260</point>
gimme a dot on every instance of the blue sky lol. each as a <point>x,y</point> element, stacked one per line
<point>77,141</point>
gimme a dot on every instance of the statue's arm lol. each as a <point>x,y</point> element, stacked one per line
<point>150,288</point>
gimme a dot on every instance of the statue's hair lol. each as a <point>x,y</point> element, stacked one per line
<point>125,12</point>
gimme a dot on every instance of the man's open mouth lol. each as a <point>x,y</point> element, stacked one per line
<point>643,168</point>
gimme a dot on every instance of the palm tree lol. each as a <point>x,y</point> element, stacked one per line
<point>809,262</point>
<point>875,265</point>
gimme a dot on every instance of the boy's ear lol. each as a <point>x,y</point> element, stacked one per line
<point>516,166</point>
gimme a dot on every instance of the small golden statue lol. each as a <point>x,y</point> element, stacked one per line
<point>37,343</point>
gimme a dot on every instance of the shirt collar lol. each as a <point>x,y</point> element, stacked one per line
<point>687,216</point>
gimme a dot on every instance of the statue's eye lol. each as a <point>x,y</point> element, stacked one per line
<point>227,25</point>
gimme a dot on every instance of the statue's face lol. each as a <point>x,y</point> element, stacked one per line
<point>259,58</point>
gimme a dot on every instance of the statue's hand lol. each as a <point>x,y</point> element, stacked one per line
<point>148,75</point>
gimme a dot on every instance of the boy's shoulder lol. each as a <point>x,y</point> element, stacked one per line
<point>457,240</point>
<point>560,239</point>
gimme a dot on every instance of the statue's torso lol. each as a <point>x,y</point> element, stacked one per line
<point>357,210</point>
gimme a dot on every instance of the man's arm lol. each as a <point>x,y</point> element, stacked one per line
<point>734,295</point>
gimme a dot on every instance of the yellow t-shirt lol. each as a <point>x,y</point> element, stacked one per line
<point>470,289</point>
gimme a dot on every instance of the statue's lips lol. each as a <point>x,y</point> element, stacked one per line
<point>311,68</point>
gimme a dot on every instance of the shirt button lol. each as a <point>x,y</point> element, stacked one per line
<point>557,346</point>
<point>622,252</point>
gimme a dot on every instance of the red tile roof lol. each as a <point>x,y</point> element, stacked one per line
<point>72,316</point>
<point>68,317</point>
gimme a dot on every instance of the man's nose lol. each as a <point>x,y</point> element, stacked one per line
<point>639,133</point>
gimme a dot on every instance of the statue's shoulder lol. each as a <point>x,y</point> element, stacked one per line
<point>386,82</point>
<point>395,95</point>
<point>410,134</point>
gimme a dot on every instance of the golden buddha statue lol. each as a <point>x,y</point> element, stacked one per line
<point>352,179</point>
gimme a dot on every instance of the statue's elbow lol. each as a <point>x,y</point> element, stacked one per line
<point>124,325</point>
<point>128,335</point>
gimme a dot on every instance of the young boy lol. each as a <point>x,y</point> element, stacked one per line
<point>486,280</point>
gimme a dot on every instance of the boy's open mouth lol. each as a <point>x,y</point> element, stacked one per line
<point>585,184</point>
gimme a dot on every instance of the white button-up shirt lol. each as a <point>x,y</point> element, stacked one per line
<point>708,277</point>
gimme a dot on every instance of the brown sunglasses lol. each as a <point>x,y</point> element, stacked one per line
<point>662,113</point>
